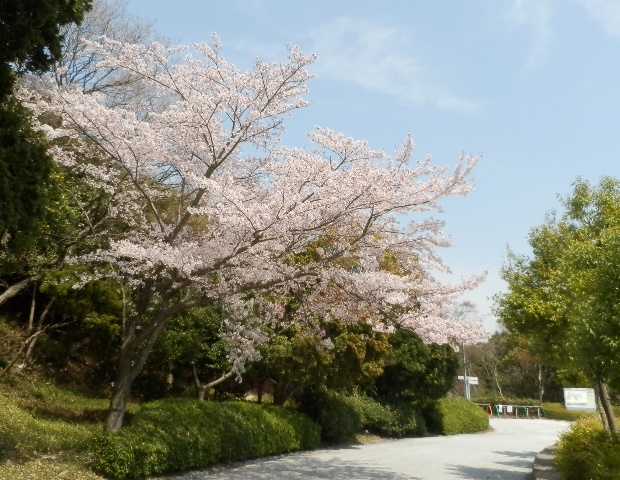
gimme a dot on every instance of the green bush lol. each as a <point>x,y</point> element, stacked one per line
<point>334,412</point>
<point>452,416</point>
<point>587,452</point>
<point>180,434</point>
<point>389,420</point>
<point>557,411</point>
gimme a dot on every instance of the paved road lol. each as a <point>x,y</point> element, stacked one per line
<point>506,453</point>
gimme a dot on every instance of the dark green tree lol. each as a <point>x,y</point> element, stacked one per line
<point>25,168</point>
<point>416,372</point>
<point>30,42</point>
<point>297,358</point>
<point>30,38</point>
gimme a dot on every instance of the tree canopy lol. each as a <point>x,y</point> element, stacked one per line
<point>564,298</point>
<point>195,203</point>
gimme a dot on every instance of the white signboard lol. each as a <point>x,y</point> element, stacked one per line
<point>470,380</point>
<point>582,399</point>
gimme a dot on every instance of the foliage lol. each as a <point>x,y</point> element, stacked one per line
<point>416,372</point>
<point>395,420</point>
<point>505,400</point>
<point>351,355</point>
<point>200,223</point>
<point>25,168</point>
<point>30,35</point>
<point>180,434</point>
<point>586,451</point>
<point>453,416</point>
<point>564,299</point>
<point>191,339</point>
<point>557,411</point>
<point>338,417</point>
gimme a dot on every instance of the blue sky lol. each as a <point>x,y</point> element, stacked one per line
<point>533,85</point>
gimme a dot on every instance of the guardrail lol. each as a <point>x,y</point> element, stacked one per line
<point>513,411</point>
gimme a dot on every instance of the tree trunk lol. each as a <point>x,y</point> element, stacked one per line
<point>17,288</point>
<point>541,383</point>
<point>260,387</point>
<point>499,389</point>
<point>601,412</point>
<point>46,311</point>
<point>118,405</point>
<point>606,402</point>
<point>200,387</point>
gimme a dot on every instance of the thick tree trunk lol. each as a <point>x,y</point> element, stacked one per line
<point>601,412</point>
<point>606,402</point>
<point>137,346</point>
<point>118,405</point>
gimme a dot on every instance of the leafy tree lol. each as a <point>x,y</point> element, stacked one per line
<point>25,168</point>
<point>573,281</point>
<point>239,217</point>
<point>350,355</point>
<point>30,36</point>
<point>417,372</point>
<point>191,347</point>
<point>506,367</point>
<point>30,40</point>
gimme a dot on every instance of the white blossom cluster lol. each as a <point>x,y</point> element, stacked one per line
<point>194,219</point>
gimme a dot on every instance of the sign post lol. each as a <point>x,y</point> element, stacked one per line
<point>582,399</point>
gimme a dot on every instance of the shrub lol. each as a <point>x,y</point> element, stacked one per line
<point>557,411</point>
<point>337,415</point>
<point>389,420</point>
<point>586,451</point>
<point>181,434</point>
<point>452,416</point>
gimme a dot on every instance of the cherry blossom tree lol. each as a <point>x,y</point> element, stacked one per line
<point>204,206</point>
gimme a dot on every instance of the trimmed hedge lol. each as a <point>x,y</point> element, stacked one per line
<point>452,416</point>
<point>175,435</point>
<point>388,420</point>
<point>341,417</point>
<point>587,452</point>
<point>557,411</point>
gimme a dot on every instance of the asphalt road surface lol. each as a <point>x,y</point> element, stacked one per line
<point>506,453</point>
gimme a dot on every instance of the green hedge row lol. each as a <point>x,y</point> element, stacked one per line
<point>175,435</point>
<point>452,416</point>
<point>587,452</point>
<point>341,417</point>
<point>388,420</point>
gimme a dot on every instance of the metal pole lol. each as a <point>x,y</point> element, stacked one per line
<point>465,380</point>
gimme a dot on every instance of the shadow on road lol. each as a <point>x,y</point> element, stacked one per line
<point>474,473</point>
<point>305,468</point>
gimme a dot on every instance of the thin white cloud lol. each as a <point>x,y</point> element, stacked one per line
<point>536,16</point>
<point>605,12</point>
<point>374,57</point>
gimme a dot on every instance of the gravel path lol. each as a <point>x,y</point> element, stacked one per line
<point>506,453</point>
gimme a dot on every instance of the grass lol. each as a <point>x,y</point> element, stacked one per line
<point>45,431</point>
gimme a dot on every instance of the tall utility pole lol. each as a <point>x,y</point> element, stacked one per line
<point>465,379</point>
